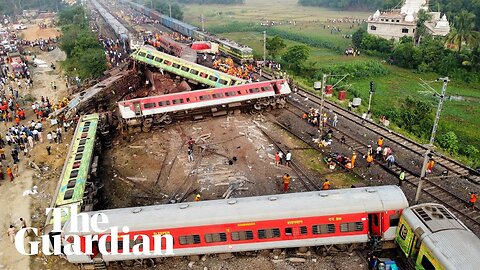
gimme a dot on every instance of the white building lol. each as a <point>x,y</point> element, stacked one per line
<point>397,23</point>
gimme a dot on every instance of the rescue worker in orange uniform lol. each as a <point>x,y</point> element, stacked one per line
<point>369,161</point>
<point>380,141</point>
<point>430,165</point>
<point>286,182</point>
<point>473,199</point>
<point>197,198</point>
<point>326,185</point>
<point>354,157</point>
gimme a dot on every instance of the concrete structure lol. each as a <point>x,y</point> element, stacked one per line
<point>397,23</point>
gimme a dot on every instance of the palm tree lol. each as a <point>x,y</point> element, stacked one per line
<point>463,30</point>
<point>422,17</point>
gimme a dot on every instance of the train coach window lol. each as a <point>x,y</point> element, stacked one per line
<point>178,101</point>
<point>189,239</point>
<point>288,231</point>
<point>142,54</point>
<point>303,230</point>
<point>268,233</point>
<point>194,72</point>
<point>149,105</point>
<point>149,56</point>
<point>175,65</point>
<point>71,183</point>
<point>82,142</point>
<point>164,103</point>
<point>108,245</point>
<point>159,60</point>
<point>205,97</point>
<point>68,194</point>
<point>253,90</point>
<point>78,156</point>
<point>136,242</point>
<point>230,94</point>
<point>184,68</point>
<point>166,62</point>
<point>217,95</point>
<point>394,219</point>
<point>351,227</point>
<point>427,264</point>
<point>73,173</point>
<point>239,92</point>
<point>265,88</point>
<point>213,78</point>
<point>242,235</point>
<point>323,229</point>
<point>224,82</point>
<point>215,237</point>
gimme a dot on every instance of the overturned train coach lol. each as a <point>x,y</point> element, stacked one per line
<point>320,218</point>
<point>217,101</point>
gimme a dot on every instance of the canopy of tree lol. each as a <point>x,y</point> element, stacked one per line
<point>227,2</point>
<point>275,45</point>
<point>10,7</point>
<point>85,55</point>
<point>351,4</point>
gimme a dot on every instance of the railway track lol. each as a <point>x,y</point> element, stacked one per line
<point>470,216</point>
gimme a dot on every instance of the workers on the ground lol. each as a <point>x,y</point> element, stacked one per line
<point>430,165</point>
<point>197,197</point>
<point>286,182</point>
<point>401,178</point>
<point>326,185</point>
<point>369,160</point>
<point>380,141</point>
<point>473,199</point>
<point>354,157</point>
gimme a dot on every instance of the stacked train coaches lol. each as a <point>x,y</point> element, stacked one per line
<point>432,238</point>
<point>76,186</point>
<point>321,218</point>
<point>239,53</point>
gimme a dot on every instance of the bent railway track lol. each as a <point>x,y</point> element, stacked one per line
<point>470,216</point>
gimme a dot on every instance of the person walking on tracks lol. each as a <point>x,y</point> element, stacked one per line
<point>430,165</point>
<point>354,158</point>
<point>380,142</point>
<point>286,182</point>
<point>473,199</point>
<point>288,159</point>
<point>390,160</point>
<point>10,173</point>
<point>401,178</point>
<point>369,160</point>
<point>190,154</point>
<point>335,120</point>
<point>277,159</point>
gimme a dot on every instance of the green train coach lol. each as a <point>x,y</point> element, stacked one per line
<point>432,238</point>
<point>76,170</point>
<point>194,72</point>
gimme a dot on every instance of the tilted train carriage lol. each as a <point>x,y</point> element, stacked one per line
<point>163,109</point>
<point>432,238</point>
<point>343,216</point>
<point>193,72</point>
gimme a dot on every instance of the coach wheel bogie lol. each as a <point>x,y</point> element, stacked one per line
<point>257,106</point>
<point>167,120</point>
<point>268,108</point>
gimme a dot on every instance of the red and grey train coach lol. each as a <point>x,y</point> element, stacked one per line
<point>343,216</point>
<point>164,108</point>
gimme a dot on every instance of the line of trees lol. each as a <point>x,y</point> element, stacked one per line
<point>9,7</point>
<point>226,2</point>
<point>454,8</point>
<point>164,7</point>
<point>351,4</point>
<point>85,55</point>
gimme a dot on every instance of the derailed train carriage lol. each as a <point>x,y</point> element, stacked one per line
<point>320,218</point>
<point>432,238</point>
<point>218,101</point>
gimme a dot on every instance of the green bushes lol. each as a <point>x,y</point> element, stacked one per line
<point>356,70</point>
<point>85,55</point>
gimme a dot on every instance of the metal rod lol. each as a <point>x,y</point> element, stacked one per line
<point>432,139</point>
<point>264,46</point>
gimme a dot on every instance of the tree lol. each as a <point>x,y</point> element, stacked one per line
<point>422,17</point>
<point>164,7</point>
<point>449,142</point>
<point>463,30</point>
<point>357,37</point>
<point>296,55</point>
<point>415,117</point>
<point>275,45</point>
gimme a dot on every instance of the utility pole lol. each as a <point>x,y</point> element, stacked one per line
<point>170,8</point>
<point>432,139</point>
<point>370,98</point>
<point>203,25</point>
<point>264,46</point>
<point>317,86</point>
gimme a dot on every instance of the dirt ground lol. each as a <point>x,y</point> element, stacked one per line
<point>34,32</point>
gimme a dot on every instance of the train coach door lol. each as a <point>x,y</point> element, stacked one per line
<point>374,224</point>
<point>138,109</point>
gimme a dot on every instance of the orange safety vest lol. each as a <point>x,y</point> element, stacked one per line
<point>380,142</point>
<point>286,179</point>
<point>473,198</point>
<point>369,159</point>
<point>326,185</point>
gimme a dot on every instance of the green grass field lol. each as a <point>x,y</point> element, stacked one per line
<point>460,116</point>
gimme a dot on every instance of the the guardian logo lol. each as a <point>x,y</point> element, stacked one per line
<point>92,229</point>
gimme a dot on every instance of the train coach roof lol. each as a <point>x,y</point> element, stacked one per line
<point>455,249</point>
<point>294,205</point>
